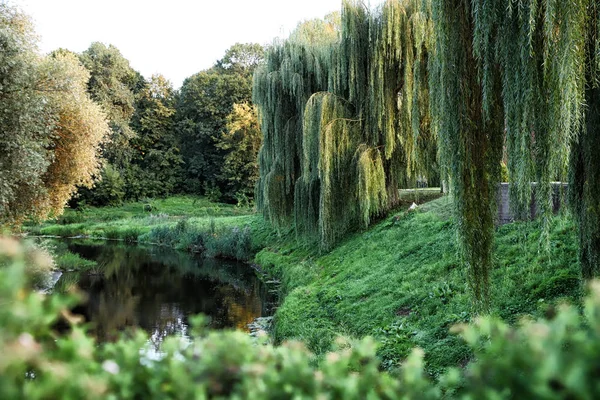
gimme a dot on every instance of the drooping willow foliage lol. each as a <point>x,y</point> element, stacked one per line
<point>351,118</point>
<point>584,182</point>
<point>509,76</point>
<point>470,140</point>
<point>345,120</point>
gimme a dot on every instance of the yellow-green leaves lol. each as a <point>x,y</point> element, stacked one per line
<point>345,119</point>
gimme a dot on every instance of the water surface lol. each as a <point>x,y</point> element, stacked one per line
<point>158,289</point>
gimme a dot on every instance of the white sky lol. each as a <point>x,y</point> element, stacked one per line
<point>176,38</point>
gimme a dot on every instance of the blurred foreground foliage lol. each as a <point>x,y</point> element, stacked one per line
<point>549,358</point>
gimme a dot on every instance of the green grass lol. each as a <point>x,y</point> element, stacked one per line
<point>401,281</point>
<point>221,230</point>
<point>68,261</point>
<point>129,221</point>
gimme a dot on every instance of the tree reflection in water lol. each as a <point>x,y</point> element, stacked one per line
<point>157,289</point>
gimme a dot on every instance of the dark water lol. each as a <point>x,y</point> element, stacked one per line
<point>158,289</point>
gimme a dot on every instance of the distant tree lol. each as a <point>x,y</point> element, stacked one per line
<point>318,30</point>
<point>205,101</point>
<point>242,58</point>
<point>110,189</point>
<point>156,161</point>
<point>113,84</point>
<point>242,139</point>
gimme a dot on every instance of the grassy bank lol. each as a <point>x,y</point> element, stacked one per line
<point>182,222</point>
<point>402,283</point>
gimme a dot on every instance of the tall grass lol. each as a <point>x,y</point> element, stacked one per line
<point>68,261</point>
<point>182,222</point>
<point>228,242</point>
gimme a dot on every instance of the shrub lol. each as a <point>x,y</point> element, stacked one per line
<point>549,358</point>
<point>212,192</point>
<point>110,190</point>
<point>131,235</point>
<point>150,208</point>
<point>235,243</point>
<point>112,233</point>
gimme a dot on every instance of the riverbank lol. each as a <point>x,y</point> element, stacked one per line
<point>187,223</point>
<point>400,281</point>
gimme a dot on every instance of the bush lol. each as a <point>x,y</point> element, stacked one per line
<point>212,193</point>
<point>550,358</point>
<point>131,235</point>
<point>112,233</point>
<point>235,243</point>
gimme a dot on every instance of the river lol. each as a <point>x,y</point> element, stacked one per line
<point>158,289</point>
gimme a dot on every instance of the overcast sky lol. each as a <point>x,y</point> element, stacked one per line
<point>176,38</point>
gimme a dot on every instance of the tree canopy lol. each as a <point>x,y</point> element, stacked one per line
<point>205,101</point>
<point>113,84</point>
<point>155,167</point>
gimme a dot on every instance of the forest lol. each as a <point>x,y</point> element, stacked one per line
<point>355,168</point>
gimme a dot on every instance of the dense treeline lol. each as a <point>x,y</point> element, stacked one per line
<point>166,141</point>
<point>204,109</point>
<point>88,125</point>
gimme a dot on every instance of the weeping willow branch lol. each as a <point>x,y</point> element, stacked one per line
<point>362,125</point>
<point>470,135</point>
<point>517,66</point>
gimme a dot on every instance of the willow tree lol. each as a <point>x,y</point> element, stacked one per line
<point>80,128</point>
<point>345,119</point>
<point>470,140</point>
<point>585,163</point>
<point>292,72</point>
<point>505,72</point>
<point>51,130</point>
